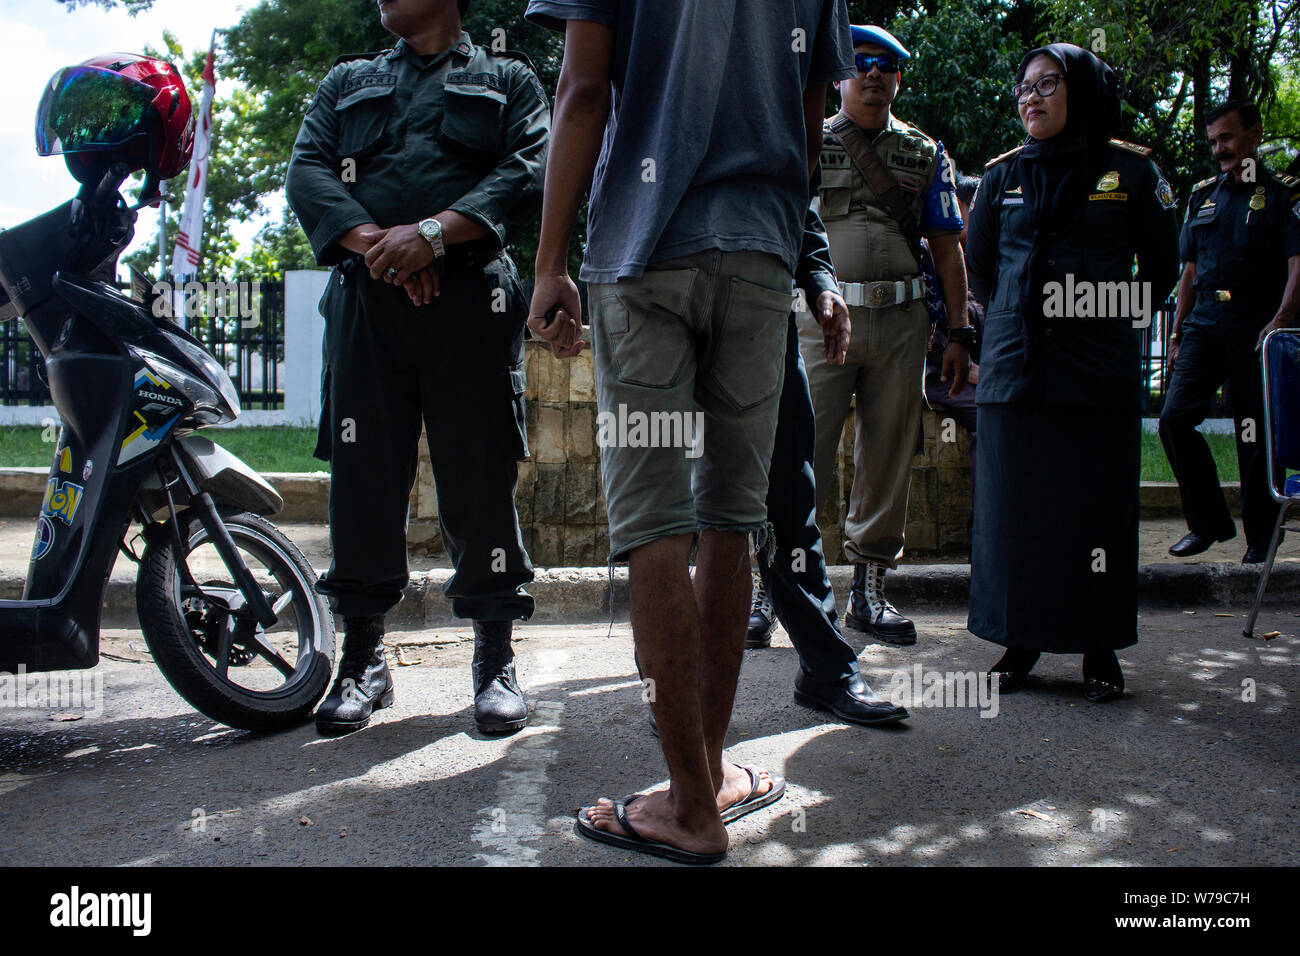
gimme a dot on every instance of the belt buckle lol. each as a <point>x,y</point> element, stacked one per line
<point>1222,295</point>
<point>879,292</point>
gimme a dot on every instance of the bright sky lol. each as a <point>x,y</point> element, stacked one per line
<point>39,37</point>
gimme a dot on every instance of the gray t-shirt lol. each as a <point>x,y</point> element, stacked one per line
<point>705,144</point>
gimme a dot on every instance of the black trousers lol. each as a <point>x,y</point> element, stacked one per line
<point>1209,355</point>
<point>796,580</point>
<point>456,364</point>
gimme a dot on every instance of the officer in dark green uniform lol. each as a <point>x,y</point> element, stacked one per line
<point>411,169</point>
<point>1241,279</point>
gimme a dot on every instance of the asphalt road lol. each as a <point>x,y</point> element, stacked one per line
<point>1182,771</point>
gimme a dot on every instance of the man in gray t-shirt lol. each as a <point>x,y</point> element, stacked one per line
<point>698,126</point>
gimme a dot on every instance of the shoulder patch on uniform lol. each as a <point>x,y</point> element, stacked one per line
<point>349,57</point>
<point>1286,179</point>
<point>1205,182</point>
<point>1005,156</point>
<point>1131,147</point>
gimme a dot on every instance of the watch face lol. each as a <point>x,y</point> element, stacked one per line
<point>429,228</point>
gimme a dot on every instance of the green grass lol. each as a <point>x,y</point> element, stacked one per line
<point>264,449</point>
<point>289,449</point>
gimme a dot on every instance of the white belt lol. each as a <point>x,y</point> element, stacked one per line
<point>878,295</point>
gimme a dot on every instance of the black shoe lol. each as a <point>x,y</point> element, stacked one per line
<point>1012,669</point>
<point>499,705</point>
<point>364,684</point>
<point>1103,679</point>
<point>871,613</point>
<point>1195,543</point>
<point>1255,555</point>
<point>761,620</point>
<point>850,700</point>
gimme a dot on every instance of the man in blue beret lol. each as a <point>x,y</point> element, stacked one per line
<point>885,186</point>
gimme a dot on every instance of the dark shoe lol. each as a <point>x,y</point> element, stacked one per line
<point>761,620</point>
<point>1100,691</point>
<point>364,684</point>
<point>871,613</point>
<point>1255,555</point>
<point>499,705</point>
<point>850,700</point>
<point>1194,543</point>
<point>1103,679</point>
<point>1012,669</point>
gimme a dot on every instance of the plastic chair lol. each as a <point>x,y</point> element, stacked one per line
<point>1282,436</point>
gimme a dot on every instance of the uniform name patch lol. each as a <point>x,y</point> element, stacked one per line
<point>1109,196</point>
<point>490,80</point>
<point>361,81</point>
<point>899,161</point>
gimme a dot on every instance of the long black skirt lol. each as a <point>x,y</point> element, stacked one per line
<point>1054,549</point>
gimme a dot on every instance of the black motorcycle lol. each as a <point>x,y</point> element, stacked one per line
<point>226,602</point>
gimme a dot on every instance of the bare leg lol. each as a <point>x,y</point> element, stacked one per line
<point>666,628</point>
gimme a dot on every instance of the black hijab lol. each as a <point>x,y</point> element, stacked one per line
<point>1056,173</point>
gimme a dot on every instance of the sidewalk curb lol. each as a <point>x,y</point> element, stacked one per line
<point>581,595</point>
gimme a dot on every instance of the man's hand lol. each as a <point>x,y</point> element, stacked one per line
<point>956,366</point>
<point>1277,323</point>
<point>564,332</point>
<point>974,377</point>
<point>1173,354</point>
<point>360,238</point>
<point>833,317</point>
<point>401,248</point>
<point>422,286</point>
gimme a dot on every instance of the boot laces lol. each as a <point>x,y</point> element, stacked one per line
<point>875,588</point>
<point>762,601</point>
<point>357,655</point>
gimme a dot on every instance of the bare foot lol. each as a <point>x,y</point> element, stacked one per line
<point>736,786</point>
<point>654,819</point>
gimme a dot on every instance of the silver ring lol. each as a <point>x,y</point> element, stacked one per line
<point>392,273</point>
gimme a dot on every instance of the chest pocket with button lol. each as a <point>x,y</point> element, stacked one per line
<point>472,113</point>
<point>836,191</point>
<point>363,110</point>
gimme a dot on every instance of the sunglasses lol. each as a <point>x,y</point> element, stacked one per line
<point>886,63</point>
<point>1045,86</point>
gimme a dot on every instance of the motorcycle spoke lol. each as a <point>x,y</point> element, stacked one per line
<point>225,645</point>
<point>282,601</point>
<point>265,649</point>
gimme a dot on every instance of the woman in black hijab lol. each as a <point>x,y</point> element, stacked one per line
<point>1055,230</point>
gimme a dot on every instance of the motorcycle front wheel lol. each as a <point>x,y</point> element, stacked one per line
<point>210,646</point>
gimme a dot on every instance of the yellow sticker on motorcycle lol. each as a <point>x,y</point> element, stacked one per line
<point>62,499</point>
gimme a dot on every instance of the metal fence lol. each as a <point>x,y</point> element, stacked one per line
<point>245,332</point>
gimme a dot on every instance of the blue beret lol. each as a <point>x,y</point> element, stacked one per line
<point>881,36</point>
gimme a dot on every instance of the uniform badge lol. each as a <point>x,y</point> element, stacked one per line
<point>1109,181</point>
<point>1165,195</point>
<point>1257,200</point>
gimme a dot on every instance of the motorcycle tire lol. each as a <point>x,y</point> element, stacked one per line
<point>181,630</point>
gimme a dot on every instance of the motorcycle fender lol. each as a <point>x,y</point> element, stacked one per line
<point>228,479</point>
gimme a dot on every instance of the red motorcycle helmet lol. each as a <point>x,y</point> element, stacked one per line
<point>120,107</point>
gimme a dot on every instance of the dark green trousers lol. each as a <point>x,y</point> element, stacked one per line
<point>457,365</point>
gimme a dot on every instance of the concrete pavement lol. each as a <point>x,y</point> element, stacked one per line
<point>1195,766</point>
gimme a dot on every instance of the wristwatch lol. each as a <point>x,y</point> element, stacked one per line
<point>968,336</point>
<point>431,230</point>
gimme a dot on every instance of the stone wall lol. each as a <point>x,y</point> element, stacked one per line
<point>562,505</point>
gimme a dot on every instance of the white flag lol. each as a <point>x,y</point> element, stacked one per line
<point>189,234</point>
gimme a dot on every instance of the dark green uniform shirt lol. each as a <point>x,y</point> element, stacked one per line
<point>1240,235</point>
<point>1085,359</point>
<point>398,138</point>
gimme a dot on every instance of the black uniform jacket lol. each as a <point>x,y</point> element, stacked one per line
<point>1090,345</point>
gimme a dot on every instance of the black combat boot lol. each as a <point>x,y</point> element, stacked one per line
<point>870,612</point>
<point>499,705</point>
<point>762,622</point>
<point>363,685</point>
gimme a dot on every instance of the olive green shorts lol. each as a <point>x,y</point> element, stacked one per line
<point>689,360</point>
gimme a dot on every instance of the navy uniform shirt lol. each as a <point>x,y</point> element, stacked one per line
<point>396,138</point>
<point>1085,358</point>
<point>1240,235</point>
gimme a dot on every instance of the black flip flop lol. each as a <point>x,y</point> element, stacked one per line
<point>634,841</point>
<point>752,802</point>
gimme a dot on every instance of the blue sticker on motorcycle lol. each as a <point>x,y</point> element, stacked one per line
<point>62,499</point>
<point>44,538</point>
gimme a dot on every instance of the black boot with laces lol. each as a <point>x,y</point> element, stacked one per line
<point>499,705</point>
<point>363,685</point>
